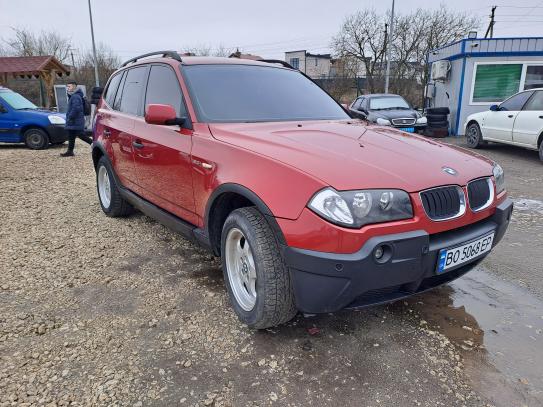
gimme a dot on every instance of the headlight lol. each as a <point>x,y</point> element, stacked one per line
<point>422,120</point>
<point>355,209</point>
<point>383,122</point>
<point>56,119</point>
<point>499,178</point>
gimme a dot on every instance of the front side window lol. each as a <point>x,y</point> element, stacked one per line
<point>163,88</point>
<point>496,82</point>
<point>132,90</point>
<point>516,102</point>
<point>536,102</point>
<point>534,77</point>
<point>388,103</point>
<point>17,102</point>
<point>250,93</point>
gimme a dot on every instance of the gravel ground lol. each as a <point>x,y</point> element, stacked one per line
<point>111,312</point>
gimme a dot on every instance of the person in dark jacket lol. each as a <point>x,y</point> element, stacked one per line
<point>75,118</point>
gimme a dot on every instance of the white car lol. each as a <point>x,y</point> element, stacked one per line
<point>517,121</point>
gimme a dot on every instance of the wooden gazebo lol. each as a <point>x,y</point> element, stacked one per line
<point>45,67</point>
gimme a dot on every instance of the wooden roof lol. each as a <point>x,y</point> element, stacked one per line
<point>32,66</point>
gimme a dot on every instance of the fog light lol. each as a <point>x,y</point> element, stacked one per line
<point>378,253</point>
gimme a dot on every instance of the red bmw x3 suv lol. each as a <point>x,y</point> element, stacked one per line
<point>309,209</point>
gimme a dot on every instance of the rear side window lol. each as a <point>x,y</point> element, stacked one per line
<point>111,90</point>
<point>163,88</point>
<point>515,103</point>
<point>117,103</point>
<point>535,103</point>
<point>133,91</point>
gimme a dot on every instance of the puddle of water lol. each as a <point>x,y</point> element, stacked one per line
<point>503,325</point>
<point>528,205</point>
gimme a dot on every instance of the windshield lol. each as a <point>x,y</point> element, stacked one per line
<point>17,101</point>
<point>248,93</point>
<point>388,102</point>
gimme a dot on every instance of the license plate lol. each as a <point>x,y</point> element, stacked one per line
<point>408,129</point>
<point>449,258</point>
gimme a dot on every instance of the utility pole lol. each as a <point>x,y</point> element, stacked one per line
<point>490,29</point>
<point>389,48</point>
<point>96,78</point>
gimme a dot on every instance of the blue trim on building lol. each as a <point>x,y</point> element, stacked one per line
<point>464,40</point>
<point>495,54</point>
<point>460,93</point>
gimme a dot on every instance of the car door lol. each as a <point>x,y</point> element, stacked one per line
<point>9,124</point>
<point>529,122</point>
<point>498,125</point>
<point>163,162</point>
<point>128,105</point>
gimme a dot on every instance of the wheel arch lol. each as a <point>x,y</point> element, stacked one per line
<point>225,199</point>
<point>30,126</point>
<point>98,151</point>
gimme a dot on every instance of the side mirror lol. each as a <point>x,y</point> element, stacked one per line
<point>162,114</point>
<point>494,108</point>
<point>3,109</point>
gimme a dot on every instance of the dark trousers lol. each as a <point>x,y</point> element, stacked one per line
<point>72,134</point>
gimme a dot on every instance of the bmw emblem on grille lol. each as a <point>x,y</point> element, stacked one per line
<point>449,170</point>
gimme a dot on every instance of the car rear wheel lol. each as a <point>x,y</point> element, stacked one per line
<point>474,137</point>
<point>257,279</point>
<point>36,139</point>
<point>541,151</point>
<point>111,201</point>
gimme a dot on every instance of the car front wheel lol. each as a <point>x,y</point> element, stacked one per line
<point>474,137</point>
<point>256,277</point>
<point>541,151</point>
<point>36,139</point>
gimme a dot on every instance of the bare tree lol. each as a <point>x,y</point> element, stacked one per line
<point>208,50</point>
<point>108,62</point>
<point>27,43</point>
<point>363,37</point>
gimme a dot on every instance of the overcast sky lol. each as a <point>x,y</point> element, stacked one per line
<point>266,28</point>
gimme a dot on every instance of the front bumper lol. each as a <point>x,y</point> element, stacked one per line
<point>328,282</point>
<point>57,133</point>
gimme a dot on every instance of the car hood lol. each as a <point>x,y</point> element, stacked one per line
<point>40,113</point>
<point>393,114</point>
<point>354,155</point>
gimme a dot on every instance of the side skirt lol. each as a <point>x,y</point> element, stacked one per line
<point>188,230</point>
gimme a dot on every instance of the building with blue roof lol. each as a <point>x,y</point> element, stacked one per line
<point>470,75</point>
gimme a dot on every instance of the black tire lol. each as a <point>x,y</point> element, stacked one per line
<point>541,151</point>
<point>474,137</point>
<point>438,125</point>
<point>436,118</point>
<point>36,139</point>
<point>438,110</point>
<point>274,293</point>
<point>118,206</point>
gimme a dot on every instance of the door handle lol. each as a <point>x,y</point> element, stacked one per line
<point>137,144</point>
<point>541,117</point>
<point>510,115</point>
<point>106,133</point>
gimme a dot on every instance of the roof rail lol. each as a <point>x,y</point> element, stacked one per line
<point>169,54</point>
<point>277,61</point>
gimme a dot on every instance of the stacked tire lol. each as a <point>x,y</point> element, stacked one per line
<point>438,122</point>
